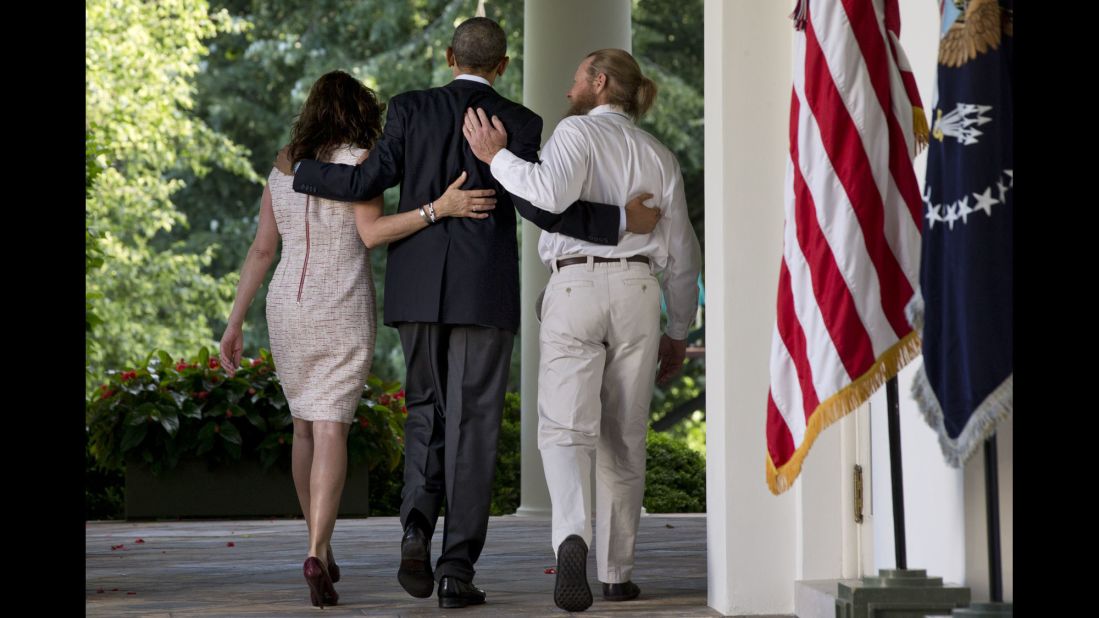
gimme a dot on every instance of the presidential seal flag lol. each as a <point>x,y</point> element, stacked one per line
<point>851,242</point>
<point>964,308</point>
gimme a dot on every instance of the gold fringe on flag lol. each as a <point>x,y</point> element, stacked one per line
<point>837,406</point>
<point>920,128</point>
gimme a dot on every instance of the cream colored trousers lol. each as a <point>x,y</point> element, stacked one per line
<point>599,339</point>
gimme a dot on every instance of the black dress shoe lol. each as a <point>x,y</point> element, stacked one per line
<point>454,592</point>
<point>625,591</point>
<point>571,592</point>
<point>415,572</point>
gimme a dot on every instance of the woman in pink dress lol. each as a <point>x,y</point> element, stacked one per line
<point>320,303</point>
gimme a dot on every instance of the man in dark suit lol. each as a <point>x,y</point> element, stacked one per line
<point>452,291</point>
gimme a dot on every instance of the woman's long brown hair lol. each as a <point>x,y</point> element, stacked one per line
<point>338,110</point>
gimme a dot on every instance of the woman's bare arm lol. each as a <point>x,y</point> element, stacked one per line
<point>259,258</point>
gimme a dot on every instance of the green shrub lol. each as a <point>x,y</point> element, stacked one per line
<point>505,486</point>
<point>167,411</point>
<point>675,477</point>
<point>163,411</point>
<point>104,490</point>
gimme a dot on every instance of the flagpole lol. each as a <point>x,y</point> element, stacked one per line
<point>992,504</point>
<point>893,404</point>
<point>909,591</point>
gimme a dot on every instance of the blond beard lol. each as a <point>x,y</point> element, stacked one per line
<point>581,105</point>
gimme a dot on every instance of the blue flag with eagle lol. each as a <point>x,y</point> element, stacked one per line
<point>964,308</point>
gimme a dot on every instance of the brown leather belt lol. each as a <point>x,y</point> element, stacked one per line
<point>583,259</point>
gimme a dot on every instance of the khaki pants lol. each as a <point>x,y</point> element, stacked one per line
<point>599,339</point>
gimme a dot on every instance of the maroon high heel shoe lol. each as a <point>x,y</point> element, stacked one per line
<point>333,568</point>
<point>321,591</point>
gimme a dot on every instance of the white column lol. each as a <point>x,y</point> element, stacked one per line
<point>828,539</point>
<point>751,534</point>
<point>558,34</point>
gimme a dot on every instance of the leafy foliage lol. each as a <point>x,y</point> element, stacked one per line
<point>163,411</point>
<point>684,388</point>
<point>505,486</point>
<point>675,477</point>
<point>667,42</point>
<point>140,60</point>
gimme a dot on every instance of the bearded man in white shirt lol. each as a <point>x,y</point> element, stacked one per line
<point>600,337</point>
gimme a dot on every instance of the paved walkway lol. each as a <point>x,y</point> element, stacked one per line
<point>253,568</point>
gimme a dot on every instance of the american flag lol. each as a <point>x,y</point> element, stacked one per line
<point>851,241</point>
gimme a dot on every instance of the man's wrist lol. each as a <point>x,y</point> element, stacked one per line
<point>491,156</point>
<point>501,160</point>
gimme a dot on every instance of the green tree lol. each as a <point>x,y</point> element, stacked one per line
<point>667,42</point>
<point>140,60</point>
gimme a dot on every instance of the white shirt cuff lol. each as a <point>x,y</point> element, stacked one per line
<point>679,333</point>
<point>622,221</point>
<point>501,161</point>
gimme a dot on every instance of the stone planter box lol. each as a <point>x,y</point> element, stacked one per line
<point>243,489</point>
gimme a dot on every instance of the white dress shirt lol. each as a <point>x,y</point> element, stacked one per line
<point>604,157</point>
<point>474,78</point>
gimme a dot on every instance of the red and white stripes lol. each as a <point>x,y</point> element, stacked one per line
<point>852,237</point>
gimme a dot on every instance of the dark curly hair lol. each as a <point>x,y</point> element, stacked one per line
<point>339,110</point>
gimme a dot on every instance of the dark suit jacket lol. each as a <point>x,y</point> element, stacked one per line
<point>459,270</point>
